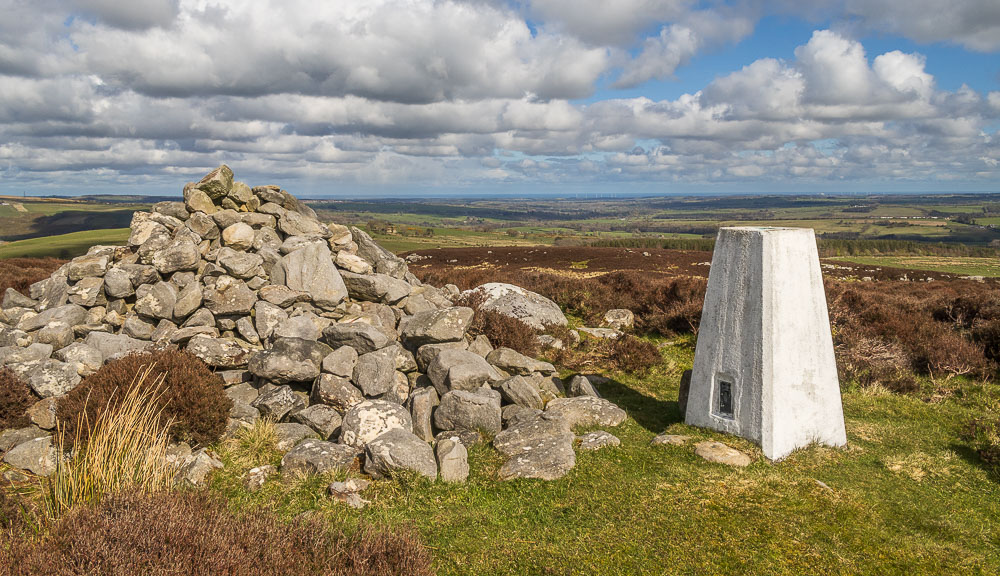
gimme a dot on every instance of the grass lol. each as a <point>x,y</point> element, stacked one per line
<point>63,245</point>
<point>966,266</point>
<point>906,497</point>
<point>124,452</point>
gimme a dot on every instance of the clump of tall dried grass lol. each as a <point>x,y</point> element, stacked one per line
<point>125,450</point>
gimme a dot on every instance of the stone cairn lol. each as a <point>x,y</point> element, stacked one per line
<point>313,325</point>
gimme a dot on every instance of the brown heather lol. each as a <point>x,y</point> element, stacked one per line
<point>20,273</point>
<point>15,399</point>
<point>193,533</point>
<point>192,396</point>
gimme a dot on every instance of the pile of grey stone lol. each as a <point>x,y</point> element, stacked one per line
<point>311,324</point>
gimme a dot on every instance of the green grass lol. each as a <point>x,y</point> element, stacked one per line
<point>966,266</point>
<point>64,245</point>
<point>906,497</point>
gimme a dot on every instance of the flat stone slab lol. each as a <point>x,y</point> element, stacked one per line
<point>722,454</point>
<point>593,441</point>
<point>670,440</point>
<point>318,457</point>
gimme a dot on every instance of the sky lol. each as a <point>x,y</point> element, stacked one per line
<point>375,98</point>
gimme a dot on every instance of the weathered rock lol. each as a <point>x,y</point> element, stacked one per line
<point>181,254</point>
<point>538,447</point>
<point>597,440</point>
<point>336,391</point>
<point>462,410</point>
<point>218,183</point>
<point>157,300</point>
<point>533,309</point>
<point>318,457</point>
<point>230,296</point>
<point>586,411</point>
<point>722,454</point>
<point>422,402</point>
<point>349,492</point>
<point>341,362</point>
<point>670,440</point>
<point>172,209</point>
<point>282,296</point>
<point>53,378</point>
<point>601,333</point>
<point>619,319</point>
<point>14,437</point>
<point>456,369</point>
<point>481,346</point>
<point>291,433</point>
<point>43,413</point>
<point>37,456</point>
<point>137,328</point>
<point>289,360</point>
<point>375,371</point>
<point>513,362</point>
<point>453,460</point>
<point>57,335</point>
<point>14,299</point>
<point>295,224</point>
<point>238,236</point>
<point>383,261</point>
<point>580,385</point>
<point>278,403</point>
<point>353,263</point>
<point>86,267</point>
<point>118,283</point>
<point>197,468</point>
<point>375,287</point>
<point>219,352</point>
<point>434,326</point>
<point>358,335</point>
<point>305,327</point>
<point>240,264</point>
<point>51,292</point>
<point>86,292</point>
<point>267,318</point>
<point>323,419</point>
<point>397,449</point>
<point>255,478</point>
<point>517,390</point>
<point>114,345</point>
<point>68,314</point>
<point>186,334</point>
<point>367,420</point>
<point>311,270</point>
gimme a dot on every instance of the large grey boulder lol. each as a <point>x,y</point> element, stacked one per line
<point>240,264</point>
<point>311,270</point>
<point>375,372</point>
<point>32,354</point>
<point>219,352</point>
<point>341,362</point>
<point>585,411</point>
<point>375,287</point>
<point>238,236</point>
<point>513,362</point>
<point>457,369</point>
<point>383,261</point>
<point>462,410</point>
<point>53,378</point>
<point>336,392</point>
<point>289,360</point>
<point>435,326</point>
<point>229,296</point>
<point>279,402</point>
<point>87,266</point>
<point>157,300</point>
<point>517,390</point>
<point>367,420</point>
<point>324,419</point>
<point>580,385</point>
<point>37,456</point>
<point>398,449</point>
<point>114,345</point>
<point>529,307</point>
<point>361,336</point>
<point>68,314</point>
<point>180,254</point>
<point>317,457</point>
<point>536,447</point>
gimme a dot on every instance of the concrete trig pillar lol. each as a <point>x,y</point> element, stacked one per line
<point>764,367</point>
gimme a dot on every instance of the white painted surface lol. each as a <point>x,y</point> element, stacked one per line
<point>765,329</point>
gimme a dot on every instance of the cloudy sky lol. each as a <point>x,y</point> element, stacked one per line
<point>368,97</point>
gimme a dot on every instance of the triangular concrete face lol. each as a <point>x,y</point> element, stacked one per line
<point>764,367</point>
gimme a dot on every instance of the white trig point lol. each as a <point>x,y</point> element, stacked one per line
<point>763,366</point>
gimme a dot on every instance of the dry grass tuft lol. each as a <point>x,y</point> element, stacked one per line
<point>125,450</point>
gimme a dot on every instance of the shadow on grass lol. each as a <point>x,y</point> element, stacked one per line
<point>652,414</point>
<point>965,452</point>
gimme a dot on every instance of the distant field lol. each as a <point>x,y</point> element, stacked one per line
<point>63,245</point>
<point>966,266</point>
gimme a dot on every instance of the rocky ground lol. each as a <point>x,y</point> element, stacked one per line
<point>312,325</point>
